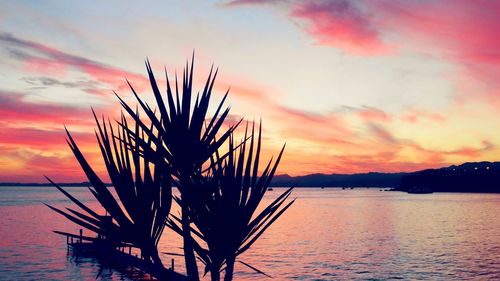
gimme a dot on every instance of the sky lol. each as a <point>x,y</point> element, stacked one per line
<point>350,86</point>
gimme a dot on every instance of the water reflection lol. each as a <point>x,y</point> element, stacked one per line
<point>327,234</point>
<point>82,268</point>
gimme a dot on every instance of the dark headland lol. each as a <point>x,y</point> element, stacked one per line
<point>467,177</point>
<point>481,177</point>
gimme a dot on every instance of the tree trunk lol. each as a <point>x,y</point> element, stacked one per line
<point>228,276</point>
<point>149,252</point>
<point>214,274</point>
<point>191,267</point>
<point>156,258</point>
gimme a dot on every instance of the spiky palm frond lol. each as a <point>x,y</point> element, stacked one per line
<point>227,221</point>
<point>185,137</point>
<point>142,185</point>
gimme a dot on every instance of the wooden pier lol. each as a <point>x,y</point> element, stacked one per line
<point>119,254</point>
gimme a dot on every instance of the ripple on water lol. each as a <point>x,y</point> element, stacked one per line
<point>326,235</point>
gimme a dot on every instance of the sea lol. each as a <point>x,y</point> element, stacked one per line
<point>327,234</point>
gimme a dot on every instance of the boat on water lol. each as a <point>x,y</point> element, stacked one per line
<point>270,189</point>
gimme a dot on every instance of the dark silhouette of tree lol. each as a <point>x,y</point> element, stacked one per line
<point>186,139</point>
<point>219,192</point>
<point>142,184</point>
<point>226,221</point>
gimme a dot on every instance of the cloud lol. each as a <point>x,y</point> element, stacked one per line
<point>48,82</point>
<point>313,126</point>
<point>382,161</point>
<point>414,116</point>
<point>472,152</point>
<point>39,138</point>
<point>463,32</point>
<point>382,134</point>
<point>89,86</point>
<point>14,108</point>
<point>340,24</point>
<point>371,114</point>
<point>245,90</point>
<point>45,59</point>
<point>385,137</point>
<point>51,61</point>
<point>25,164</point>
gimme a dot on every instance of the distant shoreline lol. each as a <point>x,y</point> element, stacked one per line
<point>382,188</point>
<point>467,177</point>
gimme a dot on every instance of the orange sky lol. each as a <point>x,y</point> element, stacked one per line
<point>349,86</point>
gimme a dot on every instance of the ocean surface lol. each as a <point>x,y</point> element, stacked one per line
<point>328,234</point>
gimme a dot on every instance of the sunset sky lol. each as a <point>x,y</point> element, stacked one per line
<point>350,86</point>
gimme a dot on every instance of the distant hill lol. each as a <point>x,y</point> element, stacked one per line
<point>340,180</point>
<point>468,177</point>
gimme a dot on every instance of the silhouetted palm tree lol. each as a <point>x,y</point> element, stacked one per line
<point>219,194</point>
<point>226,221</point>
<point>186,140</point>
<point>145,194</point>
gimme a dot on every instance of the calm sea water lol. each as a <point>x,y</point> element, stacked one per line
<point>328,234</point>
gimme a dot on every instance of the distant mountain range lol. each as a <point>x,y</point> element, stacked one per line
<point>340,180</point>
<point>467,177</point>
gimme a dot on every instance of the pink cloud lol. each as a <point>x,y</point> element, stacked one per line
<point>45,59</point>
<point>245,90</point>
<point>464,31</point>
<point>322,124</point>
<point>414,115</point>
<point>45,66</point>
<point>14,109</point>
<point>472,152</point>
<point>40,139</point>
<point>370,114</point>
<point>340,24</point>
<point>29,165</point>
